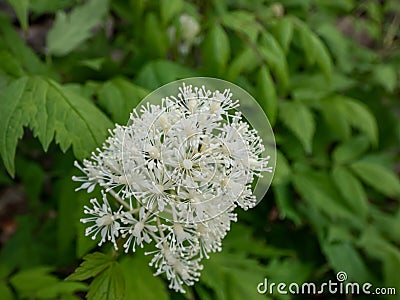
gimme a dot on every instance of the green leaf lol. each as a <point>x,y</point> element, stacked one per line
<point>282,170</point>
<point>245,61</point>
<point>29,282</point>
<point>141,285</point>
<point>377,176</point>
<point>233,276</point>
<point>69,31</point>
<point>315,50</point>
<point>317,189</point>
<point>386,76</point>
<point>299,119</point>
<point>361,117</point>
<point>242,22</point>
<point>159,72</point>
<point>119,97</point>
<point>267,94</point>
<point>108,285</point>
<point>216,49</point>
<point>5,292</point>
<point>334,112</point>
<point>155,37</point>
<point>283,31</point>
<point>53,291</point>
<point>21,10</point>
<point>351,189</point>
<point>343,257</point>
<point>51,112</point>
<point>284,200</point>
<point>169,9</point>
<point>92,265</point>
<point>49,6</point>
<point>10,65</point>
<point>351,150</point>
<point>274,56</point>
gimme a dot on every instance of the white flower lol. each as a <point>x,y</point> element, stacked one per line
<point>106,222</point>
<point>179,169</point>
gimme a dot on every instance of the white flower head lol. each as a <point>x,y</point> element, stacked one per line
<point>179,169</point>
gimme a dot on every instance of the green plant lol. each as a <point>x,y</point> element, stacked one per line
<point>326,74</point>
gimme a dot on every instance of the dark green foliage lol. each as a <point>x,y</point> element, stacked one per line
<point>326,73</point>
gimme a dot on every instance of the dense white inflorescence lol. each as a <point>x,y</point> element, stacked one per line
<point>176,173</point>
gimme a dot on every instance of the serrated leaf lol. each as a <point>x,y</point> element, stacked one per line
<point>141,285</point>
<point>351,150</point>
<point>119,97</point>
<point>361,117</point>
<point>299,119</point>
<point>69,31</point>
<point>351,189</point>
<point>377,176</point>
<point>108,285</point>
<point>52,113</point>
<point>216,49</point>
<point>92,265</point>
<point>21,10</point>
<point>267,94</point>
<point>169,9</point>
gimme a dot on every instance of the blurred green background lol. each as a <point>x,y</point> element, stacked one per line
<point>325,72</point>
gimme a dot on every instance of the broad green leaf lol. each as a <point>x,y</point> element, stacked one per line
<point>266,94</point>
<point>378,176</point>
<point>52,112</point>
<point>71,30</point>
<point>344,257</point>
<point>11,42</point>
<point>284,200</point>
<point>108,285</point>
<point>334,112</point>
<point>300,120</point>
<point>387,223</point>
<point>119,97</point>
<point>350,150</point>
<point>242,22</point>
<point>216,49</point>
<point>387,253</point>
<point>5,292</point>
<point>140,281</point>
<point>282,170</point>
<point>159,72</point>
<point>386,76</point>
<point>351,189</point>
<point>49,6</point>
<point>317,189</point>
<point>275,58</point>
<point>361,117</point>
<point>53,291</point>
<point>315,50</point>
<point>93,63</point>
<point>233,276</point>
<point>21,9</point>
<point>284,32</point>
<point>245,61</point>
<point>156,39</point>
<point>93,264</point>
<point>169,9</point>
<point>28,282</point>
<point>10,65</point>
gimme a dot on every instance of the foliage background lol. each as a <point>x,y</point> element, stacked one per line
<point>325,72</point>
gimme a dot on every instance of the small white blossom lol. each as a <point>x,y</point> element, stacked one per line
<point>179,169</point>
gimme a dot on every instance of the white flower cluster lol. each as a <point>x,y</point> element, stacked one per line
<point>178,170</point>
